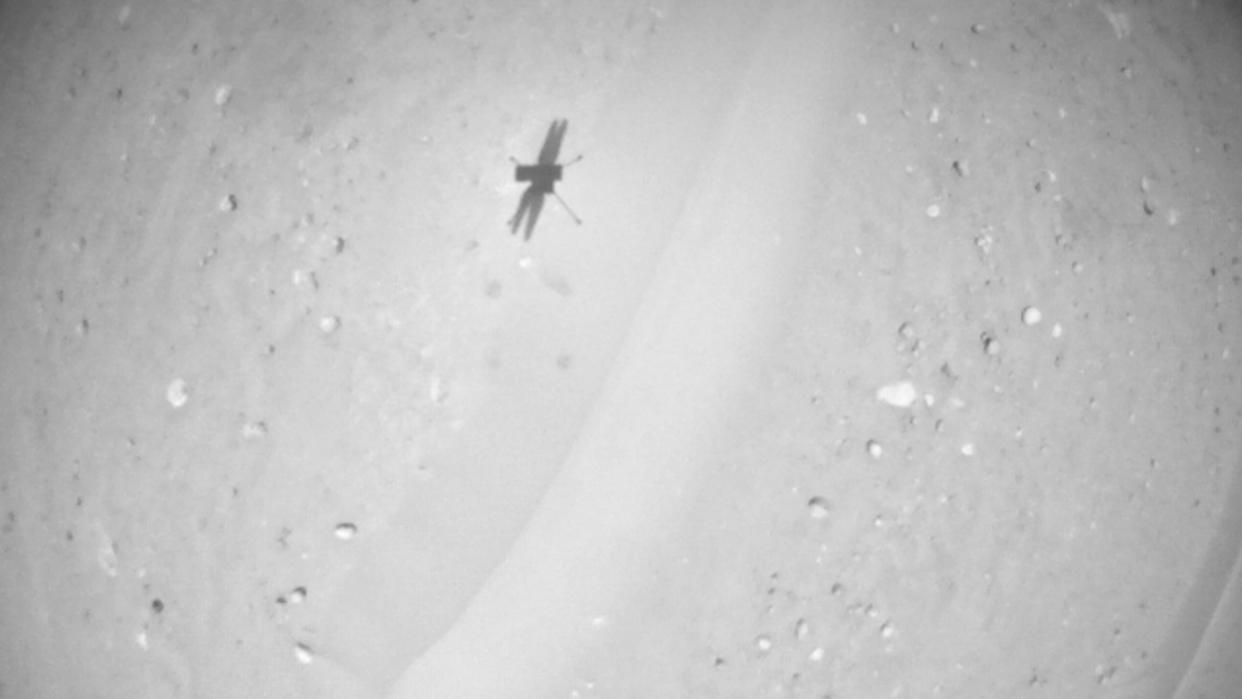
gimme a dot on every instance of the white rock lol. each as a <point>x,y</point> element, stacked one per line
<point>177,393</point>
<point>874,449</point>
<point>303,653</point>
<point>900,394</point>
<point>818,508</point>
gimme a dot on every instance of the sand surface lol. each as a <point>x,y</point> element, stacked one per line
<point>896,355</point>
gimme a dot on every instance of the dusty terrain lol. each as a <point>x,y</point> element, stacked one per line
<point>897,354</point>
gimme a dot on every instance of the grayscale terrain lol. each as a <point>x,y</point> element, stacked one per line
<point>896,355</point>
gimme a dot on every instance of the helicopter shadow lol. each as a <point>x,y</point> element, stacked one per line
<point>542,176</point>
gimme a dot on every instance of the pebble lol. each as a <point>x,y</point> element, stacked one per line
<point>991,346</point>
<point>223,94</point>
<point>302,277</point>
<point>1031,315</point>
<point>329,324</point>
<point>933,211</point>
<point>818,507</point>
<point>303,653</point>
<point>177,393</point>
<point>346,531</point>
<point>874,449</point>
<point>900,394</point>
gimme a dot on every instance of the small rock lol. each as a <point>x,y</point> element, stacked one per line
<point>304,278</point>
<point>1031,315</point>
<point>346,531</point>
<point>818,507</point>
<point>303,653</point>
<point>177,393</point>
<point>991,345</point>
<point>874,449</point>
<point>900,394</point>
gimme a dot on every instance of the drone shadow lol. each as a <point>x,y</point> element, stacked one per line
<point>542,177</point>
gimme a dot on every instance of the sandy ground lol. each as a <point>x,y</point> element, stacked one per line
<point>896,356</point>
